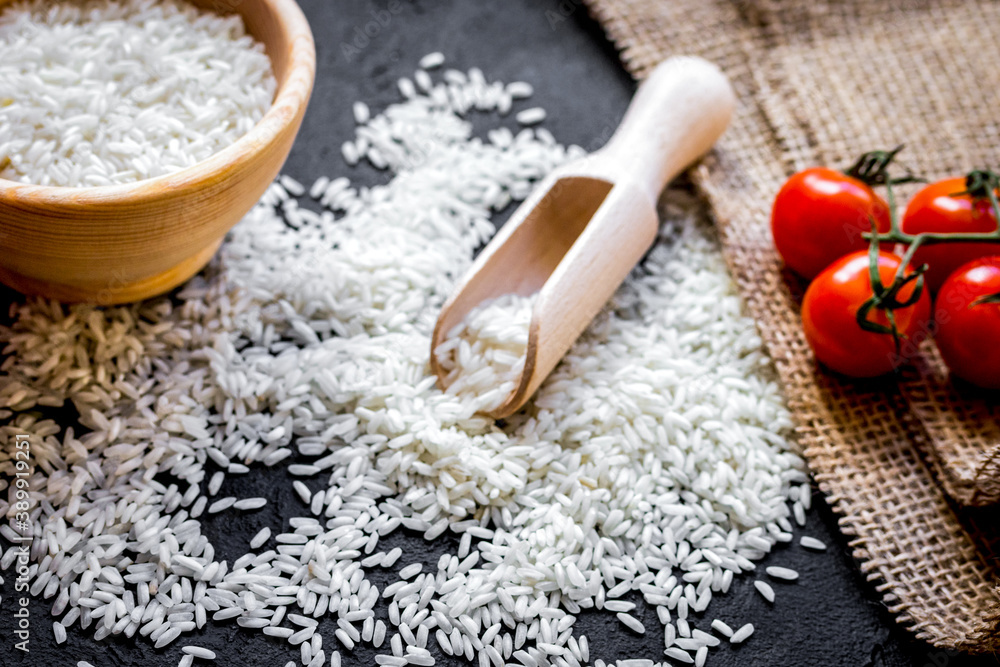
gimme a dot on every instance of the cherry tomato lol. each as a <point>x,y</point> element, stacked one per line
<point>829,311</point>
<point>934,209</point>
<point>968,333</point>
<point>819,216</point>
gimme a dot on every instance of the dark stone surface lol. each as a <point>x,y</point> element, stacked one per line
<point>830,617</point>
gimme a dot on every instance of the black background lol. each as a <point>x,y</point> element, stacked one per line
<point>831,616</point>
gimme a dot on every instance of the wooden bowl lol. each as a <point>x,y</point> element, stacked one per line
<point>122,243</point>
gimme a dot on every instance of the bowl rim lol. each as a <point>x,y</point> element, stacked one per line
<point>290,97</point>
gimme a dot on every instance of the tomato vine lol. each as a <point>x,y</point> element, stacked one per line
<point>874,165</point>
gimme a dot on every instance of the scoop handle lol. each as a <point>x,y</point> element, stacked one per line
<point>675,117</point>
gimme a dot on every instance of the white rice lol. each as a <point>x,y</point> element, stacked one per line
<point>247,504</point>
<point>432,60</point>
<point>765,590</point>
<point>520,90</point>
<point>291,186</point>
<point>812,543</point>
<point>199,652</point>
<point>742,634</point>
<point>531,116</point>
<point>484,355</point>
<point>722,628</point>
<point>410,570</point>
<point>361,114</point>
<point>631,622</point>
<point>262,536</point>
<point>104,92</point>
<point>680,655</point>
<point>221,504</point>
<point>653,460</point>
<point>783,573</point>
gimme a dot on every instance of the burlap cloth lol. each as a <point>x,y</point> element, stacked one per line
<point>818,83</point>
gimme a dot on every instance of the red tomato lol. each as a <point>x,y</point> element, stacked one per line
<point>819,216</point>
<point>968,335</point>
<point>933,209</point>
<point>829,312</point>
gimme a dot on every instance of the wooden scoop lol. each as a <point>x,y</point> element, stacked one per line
<point>583,229</point>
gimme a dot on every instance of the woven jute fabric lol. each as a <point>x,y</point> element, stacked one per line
<point>818,83</point>
<point>963,425</point>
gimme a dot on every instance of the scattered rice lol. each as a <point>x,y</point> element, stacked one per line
<point>722,628</point>
<point>410,570</point>
<point>812,543</point>
<point>291,186</point>
<point>783,573</point>
<point>520,89</point>
<point>799,513</point>
<point>653,460</point>
<point>247,504</point>
<point>215,483</point>
<point>679,655</point>
<point>423,80</point>
<point>143,88</point>
<point>350,153</point>
<point>742,634</point>
<point>531,116</point>
<point>199,652</point>
<point>221,504</point>
<point>361,114</point>
<point>262,536</point>
<point>765,590</point>
<point>633,623</point>
<point>432,60</point>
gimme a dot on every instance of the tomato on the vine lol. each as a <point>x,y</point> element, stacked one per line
<point>819,216</point>
<point>939,208</point>
<point>829,316</point>
<point>968,322</point>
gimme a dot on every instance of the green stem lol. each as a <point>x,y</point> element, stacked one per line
<point>987,181</point>
<point>930,238</point>
<point>872,168</point>
<point>993,181</point>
